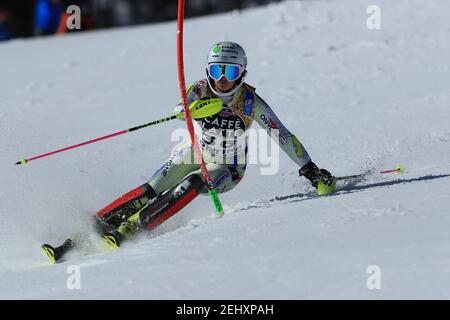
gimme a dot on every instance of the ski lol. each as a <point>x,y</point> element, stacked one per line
<point>113,239</point>
<point>107,239</point>
<point>346,184</point>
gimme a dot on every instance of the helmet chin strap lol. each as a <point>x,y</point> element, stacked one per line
<point>229,92</point>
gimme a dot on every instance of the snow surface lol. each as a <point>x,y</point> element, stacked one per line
<point>358,99</point>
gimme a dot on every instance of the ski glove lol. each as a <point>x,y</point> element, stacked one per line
<point>321,179</point>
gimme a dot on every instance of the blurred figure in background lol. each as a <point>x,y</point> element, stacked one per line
<point>47,16</point>
<point>28,18</point>
<point>5,27</point>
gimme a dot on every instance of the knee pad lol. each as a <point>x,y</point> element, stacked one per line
<point>125,206</point>
<point>171,201</point>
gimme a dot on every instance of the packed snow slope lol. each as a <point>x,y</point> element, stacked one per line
<point>358,99</point>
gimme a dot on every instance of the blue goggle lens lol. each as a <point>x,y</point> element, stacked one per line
<point>231,72</point>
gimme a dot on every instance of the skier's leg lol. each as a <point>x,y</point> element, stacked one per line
<point>158,210</point>
<point>182,163</point>
<point>176,183</point>
<point>224,178</point>
<point>172,172</point>
<point>164,183</point>
<point>176,168</point>
<point>179,164</point>
<point>170,202</point>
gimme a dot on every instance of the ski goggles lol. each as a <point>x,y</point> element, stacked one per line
<point>230,71</point>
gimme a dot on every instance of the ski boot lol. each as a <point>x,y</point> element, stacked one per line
<point>125,231</point>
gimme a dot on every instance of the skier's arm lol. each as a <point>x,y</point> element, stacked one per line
<point>193,93</point>
<point>268,120</point>
<point>321,179</point>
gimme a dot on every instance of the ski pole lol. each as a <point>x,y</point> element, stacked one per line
<point>199,109</point>
<point>398,169</point>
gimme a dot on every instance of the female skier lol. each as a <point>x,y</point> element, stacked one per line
<point>224,145</point>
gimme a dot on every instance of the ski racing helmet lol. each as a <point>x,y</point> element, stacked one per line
<point>226,59</point>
